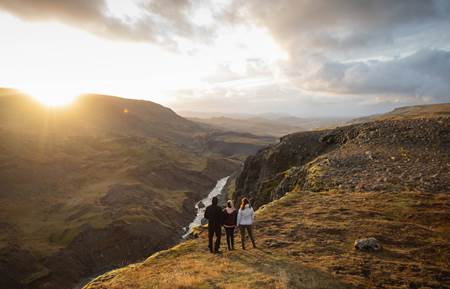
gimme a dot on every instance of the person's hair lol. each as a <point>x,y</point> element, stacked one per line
<point>230,204</point>
<point>244,202</point>
<point>215,200</point>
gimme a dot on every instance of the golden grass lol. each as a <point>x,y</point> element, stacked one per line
<point>305,240</point>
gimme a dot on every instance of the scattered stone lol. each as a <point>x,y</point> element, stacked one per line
<point>368,244</point>
<point>369,155</point>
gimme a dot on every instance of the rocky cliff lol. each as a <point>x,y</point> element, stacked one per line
<point>392,155</point>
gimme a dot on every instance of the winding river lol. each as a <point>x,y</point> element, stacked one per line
<point>217,190</point>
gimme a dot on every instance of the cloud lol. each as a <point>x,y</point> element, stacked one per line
<point>384,50</point>
<point>251,68</point>
<point>424,74</point>
<point>280,98</point>
<point>335,27</point>
<point>160,21</point>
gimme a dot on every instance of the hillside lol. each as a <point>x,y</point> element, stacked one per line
<point>99,184</point>
<point>410,112</point>
<point>317,192</point>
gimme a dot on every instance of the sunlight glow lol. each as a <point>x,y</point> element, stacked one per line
<point>54,62</point>
<point>51,96</point>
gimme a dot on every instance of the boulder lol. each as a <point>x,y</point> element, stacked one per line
<point>368,244</point>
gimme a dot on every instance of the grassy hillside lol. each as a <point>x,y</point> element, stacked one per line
<point>190,265</point>
<point>317,192</point>
<point>306,239</point>
<point>410,112</point>
<point>98,184</point>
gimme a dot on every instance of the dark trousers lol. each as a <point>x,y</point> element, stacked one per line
<point>230,237</point>
<point>214,230</point>
<point>249,229</point>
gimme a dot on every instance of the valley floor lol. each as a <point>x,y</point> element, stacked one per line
<point>305,240</point>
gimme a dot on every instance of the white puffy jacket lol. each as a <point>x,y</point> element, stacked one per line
<point>246,216</point>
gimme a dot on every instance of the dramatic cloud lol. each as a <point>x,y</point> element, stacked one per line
<point>158,21</point>
<point>336,26</point>
<point>425,73</point>
<point>388,50</point>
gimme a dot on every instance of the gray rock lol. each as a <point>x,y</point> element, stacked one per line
<point>368,244</point>
<point>200,205</point>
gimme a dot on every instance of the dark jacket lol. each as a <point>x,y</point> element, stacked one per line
<point>229,219</point>
<point>214,215</point>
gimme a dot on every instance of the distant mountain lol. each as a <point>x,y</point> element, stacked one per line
<point>316,193</point>
<point>270,125</point>
<point>103,182</point>
<point>256,126</point>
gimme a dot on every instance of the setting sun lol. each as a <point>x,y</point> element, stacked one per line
<point>51,96</point>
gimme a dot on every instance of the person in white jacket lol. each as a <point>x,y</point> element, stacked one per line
<point>245,219</point>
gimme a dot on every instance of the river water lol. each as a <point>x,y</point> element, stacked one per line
<point>217,190</point>
<point>206,202</point>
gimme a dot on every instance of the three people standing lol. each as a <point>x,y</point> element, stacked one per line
<point>230,219</point>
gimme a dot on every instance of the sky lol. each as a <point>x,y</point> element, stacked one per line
<point>300,57</point>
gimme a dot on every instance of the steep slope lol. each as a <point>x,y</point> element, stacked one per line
<point>98,184</point>
<point>317,192</point>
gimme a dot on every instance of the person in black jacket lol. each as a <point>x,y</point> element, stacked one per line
<point>230,219</point>
<point>214,215</point>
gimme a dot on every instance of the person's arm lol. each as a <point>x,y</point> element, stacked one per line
<point>253,215</point>
<point>222,216</point>
<point>239,215</point>
<point>206,214</point>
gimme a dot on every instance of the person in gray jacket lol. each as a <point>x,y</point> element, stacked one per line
<point>245,219</point>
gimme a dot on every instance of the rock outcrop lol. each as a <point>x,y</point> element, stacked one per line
<point>375,156</point>
<point>368,244</point>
